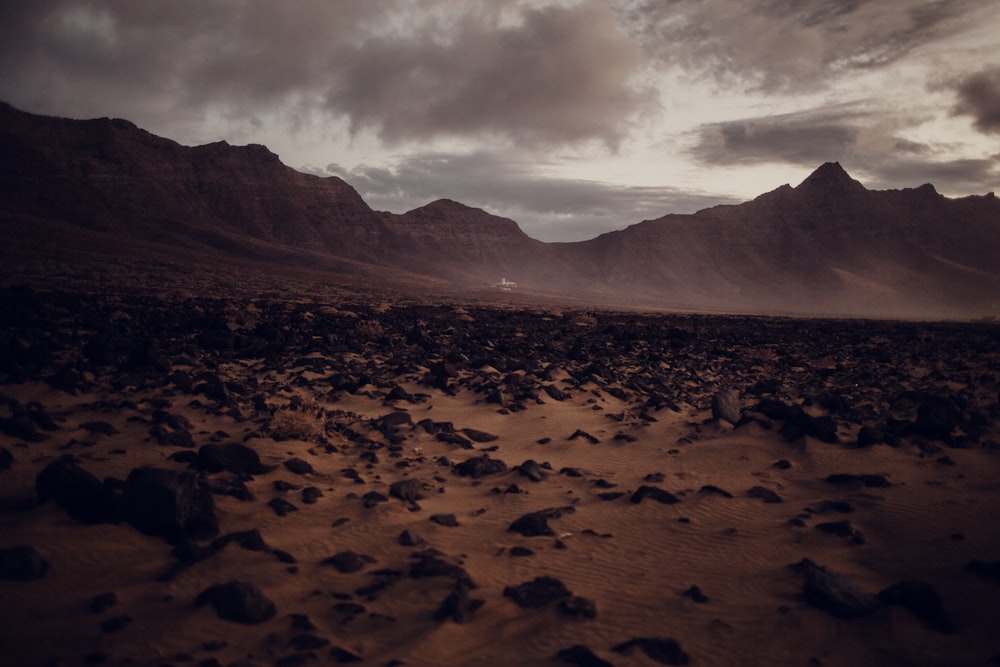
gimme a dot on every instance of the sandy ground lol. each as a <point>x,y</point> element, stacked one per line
<point>634,563</point>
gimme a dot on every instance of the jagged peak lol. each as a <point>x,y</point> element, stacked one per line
<point>830,176</point>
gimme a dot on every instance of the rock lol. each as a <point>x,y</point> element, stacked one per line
<point>987,569</point>
<point>432,563</point>
<point>373,498</point>
<point>237,601</point>
<point>726,405</point>
<point>281,506</point>
<point>531,470</point>
<point>842,529</point>
<point>765,494</point>
<point>923,600</point>
<point>298,466</point>
<point>554,392</point>
<point>22,428</point>
<point>101,603</point>
<point>99,428</point>
<point>311,494</point>
<point>458,606</point>
<point>409,539</point>
<point>480,466</point>
<point>342,655</point>
<point>868,480</point>
<point>696,595</point>
<point>664,650</point>
<point>655,493</point>
<point>581,656</point>
<point>538,592</point>
<point>347,561</point>
<point>711,488</point>
<point>173,505</point>
<point>479,436</point>
<point>232,457</point>
<point>407,490</point>
<point>6,459</point>
<point>937,417</point>
<point>831,592</point>
<point>869,435</point>
<point>578,606</point>
<point>447,520</point>
<point>22,563</point>
<point>583,434</point>
<point>535,524</point>
<point>82,495</point>
<point>116,623</point>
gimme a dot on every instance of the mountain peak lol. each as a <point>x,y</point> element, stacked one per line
<point>830,176</point>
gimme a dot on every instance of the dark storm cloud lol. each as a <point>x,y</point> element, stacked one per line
<point>960,177</point>
<point>979,97</point>
<point>779,45</point>
<point>547,207</point>
<point>871,144</point>
<point>407,70</point>
<point>560,74</point>
<point>804,139</point>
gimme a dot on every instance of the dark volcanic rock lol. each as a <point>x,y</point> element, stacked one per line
<point>937,417</point>
<point>923,600</point>
<point>711,488</point>
<point>869,435</point>
<point>581,656</point>
<point>987,569</point>
<point>765,494</point>
<point>347,561</point>
<point>459,605</point>
<point>298,466</point>
<point>655,493</point>
<point>22,563</point>
<point>664,650</point>
<point>831,592</point>
<point>232,457</point>
<point>237,601</point>
<point>479,436</point>
<point>447,520</point>
<point>173,505</point>
<point>868,480</point>
<point>531,470</point>
<point>536,524</point>
<point>409,539</point>
<point>407,490</point>
<point>281,506</point>
<point>842,529</point>
<point>726,405</point>
<point>480,466</point>
<point>82,495</point>
<point>538,592</point>
<point>578,606</point>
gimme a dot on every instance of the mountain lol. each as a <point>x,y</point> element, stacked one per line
<point>826,246</point>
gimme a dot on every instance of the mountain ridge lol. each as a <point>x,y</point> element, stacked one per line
<point>825,246</point>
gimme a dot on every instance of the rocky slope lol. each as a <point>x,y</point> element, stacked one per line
<point>827,246</point>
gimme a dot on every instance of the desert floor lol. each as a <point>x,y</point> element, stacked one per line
<point>432,484</point>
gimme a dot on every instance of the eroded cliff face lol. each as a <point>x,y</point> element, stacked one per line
<point>826,246</point>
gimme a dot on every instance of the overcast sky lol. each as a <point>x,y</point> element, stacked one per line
<point>572,117</point>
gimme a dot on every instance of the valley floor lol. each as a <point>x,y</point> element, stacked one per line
<point>444,484</point>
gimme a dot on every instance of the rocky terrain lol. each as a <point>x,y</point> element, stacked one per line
<point>319,478</point>
<point>828,246</point>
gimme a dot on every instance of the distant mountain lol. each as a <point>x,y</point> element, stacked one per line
<point>827,246</point>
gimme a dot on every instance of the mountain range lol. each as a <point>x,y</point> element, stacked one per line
<point>827,246</point>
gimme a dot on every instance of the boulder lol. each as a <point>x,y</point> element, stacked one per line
<point>170,504</point>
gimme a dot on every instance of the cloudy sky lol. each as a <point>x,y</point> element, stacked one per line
<point>573,117</point>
